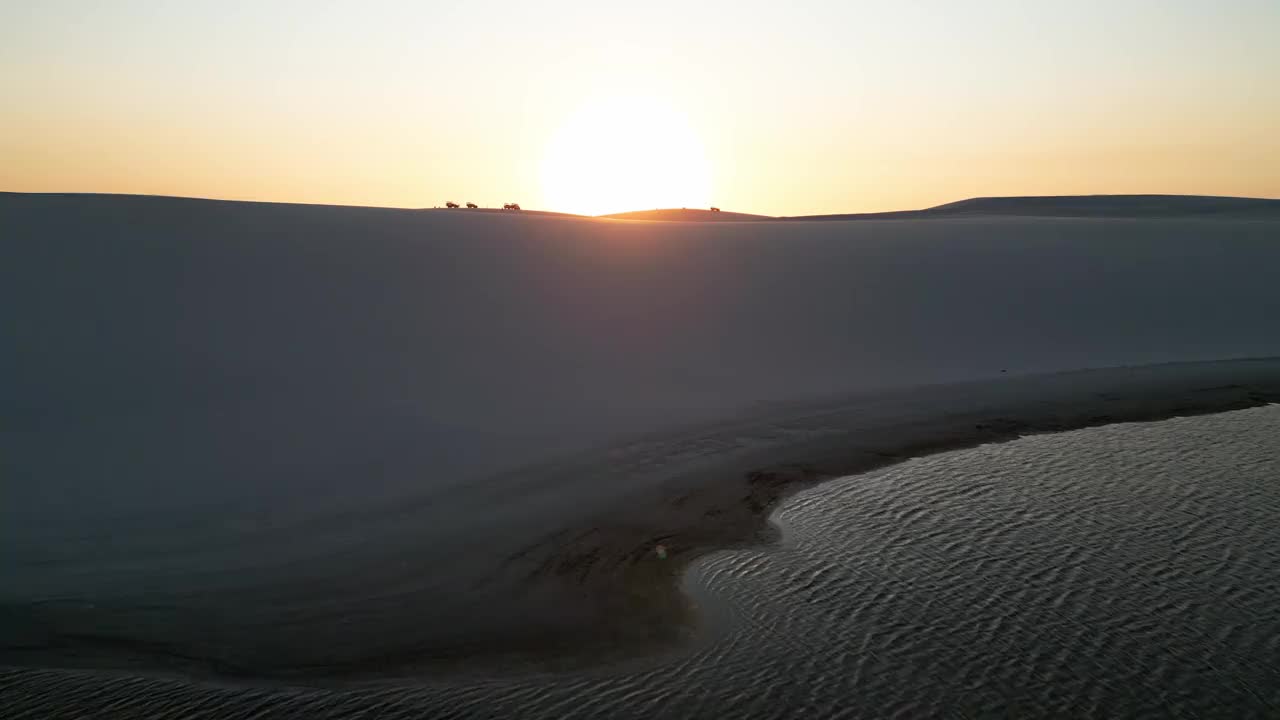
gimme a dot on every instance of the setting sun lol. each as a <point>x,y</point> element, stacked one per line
<point>624,153</point>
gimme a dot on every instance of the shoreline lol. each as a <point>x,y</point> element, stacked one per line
<point>583,590</point>
<point>714,509</point>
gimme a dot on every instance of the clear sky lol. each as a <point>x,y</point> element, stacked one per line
<point>588,105</point>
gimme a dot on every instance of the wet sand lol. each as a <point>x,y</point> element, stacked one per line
<point>727,480</point>
<point>1118,571</point>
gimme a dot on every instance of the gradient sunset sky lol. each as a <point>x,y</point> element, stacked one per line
<point>769,107</point>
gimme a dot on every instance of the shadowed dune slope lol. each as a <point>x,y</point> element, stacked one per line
<point>221,414</point>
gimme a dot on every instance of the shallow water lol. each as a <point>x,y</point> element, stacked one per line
<point>1128,570</point>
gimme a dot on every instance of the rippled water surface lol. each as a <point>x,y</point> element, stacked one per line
<point>1130,570</point>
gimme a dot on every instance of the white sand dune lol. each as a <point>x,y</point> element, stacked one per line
<point>207,401</point>
<point>1085,206</point>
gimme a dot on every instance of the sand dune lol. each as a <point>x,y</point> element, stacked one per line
<point>259,439</point>
<point>1084,206</point>
<point>1063,206</point>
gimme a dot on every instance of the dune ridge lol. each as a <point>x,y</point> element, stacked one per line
<point>1083,206</point>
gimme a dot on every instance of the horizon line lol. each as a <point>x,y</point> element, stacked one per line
<point>886,214</point>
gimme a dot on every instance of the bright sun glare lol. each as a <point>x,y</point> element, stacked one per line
<point>624,153</point>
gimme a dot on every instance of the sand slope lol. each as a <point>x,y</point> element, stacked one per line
<point>255,437</point>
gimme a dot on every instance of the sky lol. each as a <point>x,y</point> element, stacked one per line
<point>592,106</point>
